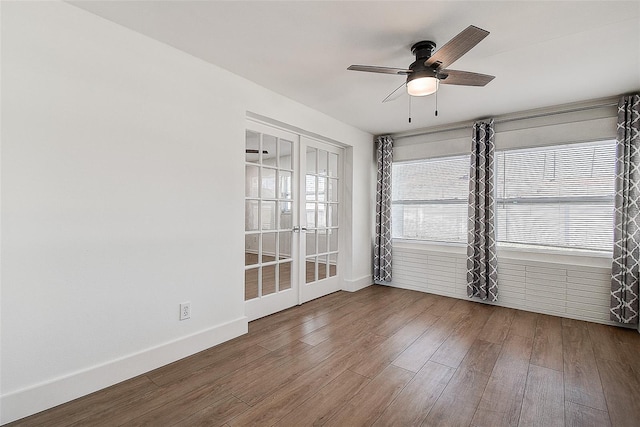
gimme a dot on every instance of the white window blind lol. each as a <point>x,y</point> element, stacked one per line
<point>560,196</point>
<point>429,199</point>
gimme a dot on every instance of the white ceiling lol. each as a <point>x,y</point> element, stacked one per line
<point>542,52</point>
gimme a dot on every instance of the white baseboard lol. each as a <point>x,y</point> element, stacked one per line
<point>31,400</point>
<point>357,284</point>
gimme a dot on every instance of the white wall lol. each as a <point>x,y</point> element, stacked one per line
<point>122,196</point>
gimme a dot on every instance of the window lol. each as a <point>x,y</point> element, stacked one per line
<point>559,196</point>
<point>429,199</point>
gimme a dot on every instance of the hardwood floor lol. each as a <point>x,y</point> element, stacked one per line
<point>385,357</point>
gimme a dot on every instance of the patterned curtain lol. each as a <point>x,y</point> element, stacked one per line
<point>482,271</point>
<point>626,235</point>
<point>382,248</point>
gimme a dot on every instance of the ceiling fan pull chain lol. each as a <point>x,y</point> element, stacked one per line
<point>437,86</point>
<point>410,108</point>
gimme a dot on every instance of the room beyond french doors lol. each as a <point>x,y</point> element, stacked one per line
<point>292,214</point>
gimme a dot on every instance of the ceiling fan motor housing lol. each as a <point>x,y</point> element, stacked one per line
<point>423,51</point>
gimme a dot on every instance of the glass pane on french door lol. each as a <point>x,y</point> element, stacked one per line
<point>270,212</point>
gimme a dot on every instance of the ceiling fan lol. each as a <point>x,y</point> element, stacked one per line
<point>430,69</point>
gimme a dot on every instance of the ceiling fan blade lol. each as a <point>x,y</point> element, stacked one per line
<point>463,78</point>
<point>456,47</point>
<point>395,94</point>
<point>384,70</point>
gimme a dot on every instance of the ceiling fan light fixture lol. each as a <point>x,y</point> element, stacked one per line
<point>422,86</point>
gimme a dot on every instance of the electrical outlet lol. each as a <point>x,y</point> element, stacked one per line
<point>185,310</point>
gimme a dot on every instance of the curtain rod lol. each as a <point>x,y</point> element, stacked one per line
<point>504,119</point>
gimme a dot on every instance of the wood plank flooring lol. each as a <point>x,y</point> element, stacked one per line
<point>385,357</point>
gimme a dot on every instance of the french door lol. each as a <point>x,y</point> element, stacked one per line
<point>319,237</point>
<point>292,211</point>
